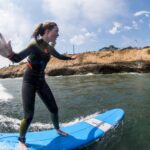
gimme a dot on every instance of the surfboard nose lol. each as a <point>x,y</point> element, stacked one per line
<point>112,116</point>
<point>120,113</point>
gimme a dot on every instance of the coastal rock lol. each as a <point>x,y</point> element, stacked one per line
<point>110,61</point>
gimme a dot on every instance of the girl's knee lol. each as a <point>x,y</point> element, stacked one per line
<point>54,110</point>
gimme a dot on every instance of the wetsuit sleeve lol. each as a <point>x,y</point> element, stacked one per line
<point>59,56</point>
<point>17,57</point>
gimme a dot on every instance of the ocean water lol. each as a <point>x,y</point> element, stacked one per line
<point>83,96</point>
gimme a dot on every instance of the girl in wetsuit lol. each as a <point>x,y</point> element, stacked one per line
<point>39,53</point>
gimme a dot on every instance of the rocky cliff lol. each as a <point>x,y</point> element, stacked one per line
<point>104,61</point>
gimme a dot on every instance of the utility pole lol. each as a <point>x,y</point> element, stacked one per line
<point>136,44</point>
<point>140,59</point>
<point>73,49</point>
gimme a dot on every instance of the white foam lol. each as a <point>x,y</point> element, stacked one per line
<point>76,75</point>
<point>128,73</point>
<point>4,95</point>
<point>59,76</point>
<point>76,120</point>
<point>90,74</point>
<point>6,146</point>
<point>6,122</point>
<point>41,126</point>
<point>17,78</point>
<point>13,123</point>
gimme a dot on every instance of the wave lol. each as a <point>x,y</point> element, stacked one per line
<point>8,124</point>
<point>88,74</point>
<point>76,75</point>
<point>81,118</point>
<point>4,95</point>
<point>16,78</point>
<point>128,73</point>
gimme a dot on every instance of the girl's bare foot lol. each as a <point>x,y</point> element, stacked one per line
<point>61,132</point>
<point>22,146</point>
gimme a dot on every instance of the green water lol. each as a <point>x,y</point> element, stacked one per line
<point>81,96</point>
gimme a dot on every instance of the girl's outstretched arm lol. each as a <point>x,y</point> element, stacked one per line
<point>5,48</point>
<point>6,51</point>
<point>60,56</point>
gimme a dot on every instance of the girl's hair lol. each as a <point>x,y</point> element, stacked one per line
<point>40,30</point>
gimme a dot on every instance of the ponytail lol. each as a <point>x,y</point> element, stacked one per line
<point>40,30</point>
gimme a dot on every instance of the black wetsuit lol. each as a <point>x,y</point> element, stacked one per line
<point>39,53</point>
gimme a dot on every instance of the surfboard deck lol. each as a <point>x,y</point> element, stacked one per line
<point>80,134</point>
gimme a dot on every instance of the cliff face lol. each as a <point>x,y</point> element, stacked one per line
<point>110,61</point>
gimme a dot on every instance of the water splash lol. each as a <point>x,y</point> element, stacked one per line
<point>76,120</point>
<point>6,146</point>
<point>8,124</point>
<point>129,73</point>
<point>4,95</point>
<point>76,75</point>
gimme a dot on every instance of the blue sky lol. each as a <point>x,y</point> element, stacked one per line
<point>87,24</point>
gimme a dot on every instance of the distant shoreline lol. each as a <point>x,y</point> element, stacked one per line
<point>100,62</point>
<point>91,68</point>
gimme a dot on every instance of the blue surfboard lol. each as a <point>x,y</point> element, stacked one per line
<point>80,134</point>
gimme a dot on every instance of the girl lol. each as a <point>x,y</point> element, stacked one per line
<point>39,53</point>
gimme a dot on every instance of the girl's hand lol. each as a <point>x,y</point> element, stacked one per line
<point>74,57</point>
<point>5,48</point>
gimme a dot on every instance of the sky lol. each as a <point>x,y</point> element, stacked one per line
<point>89,25</point>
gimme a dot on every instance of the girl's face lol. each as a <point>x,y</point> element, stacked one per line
<point>52,34</point>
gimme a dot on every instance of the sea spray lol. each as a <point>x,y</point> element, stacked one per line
<point>4,95</point>
<point>8,124</point>
<point>6,146</point>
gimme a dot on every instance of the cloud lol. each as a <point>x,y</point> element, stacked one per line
<point>14,24</point>
<point>119,27</point>
<point>74,17</point>
<point>141,13</point>
<point>134,25</point>
<point>63,10</point>
<point>141,21</point>
<point>115,28</point>
<point>99,11</point>
<point>91,11</point>
<point>82,38</point>
<point>83,30</point>
<point>127,28</point>
<point>99,30</point>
